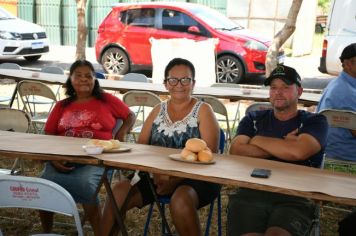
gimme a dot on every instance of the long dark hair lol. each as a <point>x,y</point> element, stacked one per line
<point>70,92</point>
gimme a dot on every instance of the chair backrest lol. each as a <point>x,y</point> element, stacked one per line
<point>37,193</point>
<point>14,120</point>
<point>135,77</point>
<point>340,118</point>
<point>258,106</point>
<point>140,98</point>
<point>219,108</point>
<point>215,103</point>
<point>53,70</point>
<point>28,90</point>
<point>8,65</point>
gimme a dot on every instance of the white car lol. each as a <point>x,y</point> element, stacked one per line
<point>341,31</point>
<point>21,38</point>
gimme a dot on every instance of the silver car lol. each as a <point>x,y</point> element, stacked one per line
<point>21,38</point>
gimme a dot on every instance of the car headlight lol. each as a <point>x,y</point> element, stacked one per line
<point>252,44</point>
<point>9,36</point>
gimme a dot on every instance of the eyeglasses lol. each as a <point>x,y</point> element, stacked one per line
<point>175,81</point>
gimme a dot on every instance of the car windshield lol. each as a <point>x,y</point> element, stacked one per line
<point>215,19</point>
<point>4,15</point>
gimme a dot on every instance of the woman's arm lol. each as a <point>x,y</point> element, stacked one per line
<point>126,126</point>
<point>209,127</point>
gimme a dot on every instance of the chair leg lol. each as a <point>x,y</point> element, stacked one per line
<point>149,215</point>
<point>211,211</point>
<point>219,215</point>
<point>17,162</point>
<point>208,222</point>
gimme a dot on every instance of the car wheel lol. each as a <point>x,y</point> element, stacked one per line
<point>115,61</point>
<point>32,58</point>
<point>229,70</point>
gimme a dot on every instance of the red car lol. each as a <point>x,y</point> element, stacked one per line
<point>123,43</point>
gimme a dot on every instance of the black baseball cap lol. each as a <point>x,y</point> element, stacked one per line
<point>288,74</point>
<point>348,52</point>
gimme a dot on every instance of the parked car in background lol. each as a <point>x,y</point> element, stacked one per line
<point>123,37</point>
<point>21,38</point>
<point>340,32</point>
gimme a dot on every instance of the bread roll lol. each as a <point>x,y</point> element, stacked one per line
<point>106,144</point>
<point>195,144</point>
<point>205,155</point>
<point>188,155</point>
<point>115,143</point>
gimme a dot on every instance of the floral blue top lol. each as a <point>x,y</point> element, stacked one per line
<point>165,133</point>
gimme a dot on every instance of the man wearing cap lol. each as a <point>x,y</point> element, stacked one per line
<point>285,134</point>
<point>341,94</point>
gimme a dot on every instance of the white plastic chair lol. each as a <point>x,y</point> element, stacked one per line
<point>29,91</point>
<point>135,77</point>
<point>12,66</point>
<point>37,193</point>
<point>17,121</point>
<point>219,108</point>
<point>140,99</point>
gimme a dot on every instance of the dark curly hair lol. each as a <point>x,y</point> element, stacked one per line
<point>70,92</point>
<point>176,62</point>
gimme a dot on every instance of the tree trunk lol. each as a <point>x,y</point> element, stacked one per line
<point>282,36</point>
<point>82,30</point>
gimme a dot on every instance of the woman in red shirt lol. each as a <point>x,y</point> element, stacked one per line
<point>87,112</point>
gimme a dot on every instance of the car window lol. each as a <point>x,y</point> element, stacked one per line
<point>179,21</point>
<point>144,17</point>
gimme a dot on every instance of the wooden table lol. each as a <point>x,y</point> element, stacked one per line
<point>44,147</point>
<point>229,169</point>
<point>234,94</point>
<point>235,170</point>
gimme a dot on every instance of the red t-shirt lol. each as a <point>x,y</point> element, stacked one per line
<point>91,119</point>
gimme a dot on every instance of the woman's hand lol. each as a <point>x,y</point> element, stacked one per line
<point>165,184</point>
<point>61,167</point>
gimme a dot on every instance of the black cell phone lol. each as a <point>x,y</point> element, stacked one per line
<point>261,173</point>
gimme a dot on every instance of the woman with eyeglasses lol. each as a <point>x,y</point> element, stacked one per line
<point>171,124</point>
<point>87,112</point>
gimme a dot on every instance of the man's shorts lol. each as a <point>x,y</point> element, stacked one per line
<point>253,211</point>
<point>206,191</point>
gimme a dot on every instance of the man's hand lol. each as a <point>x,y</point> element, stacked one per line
<point>60,166</point>
<point>292,135</point>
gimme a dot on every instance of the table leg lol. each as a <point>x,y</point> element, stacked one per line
<point>13,97</point>
<point>117,212</point>
<point>161,212</point>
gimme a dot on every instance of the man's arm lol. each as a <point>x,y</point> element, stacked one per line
<point>240,146</point>
<point>291,148</point>
<point>353,132</point>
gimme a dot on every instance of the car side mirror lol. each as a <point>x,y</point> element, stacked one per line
<point>193,29</point>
